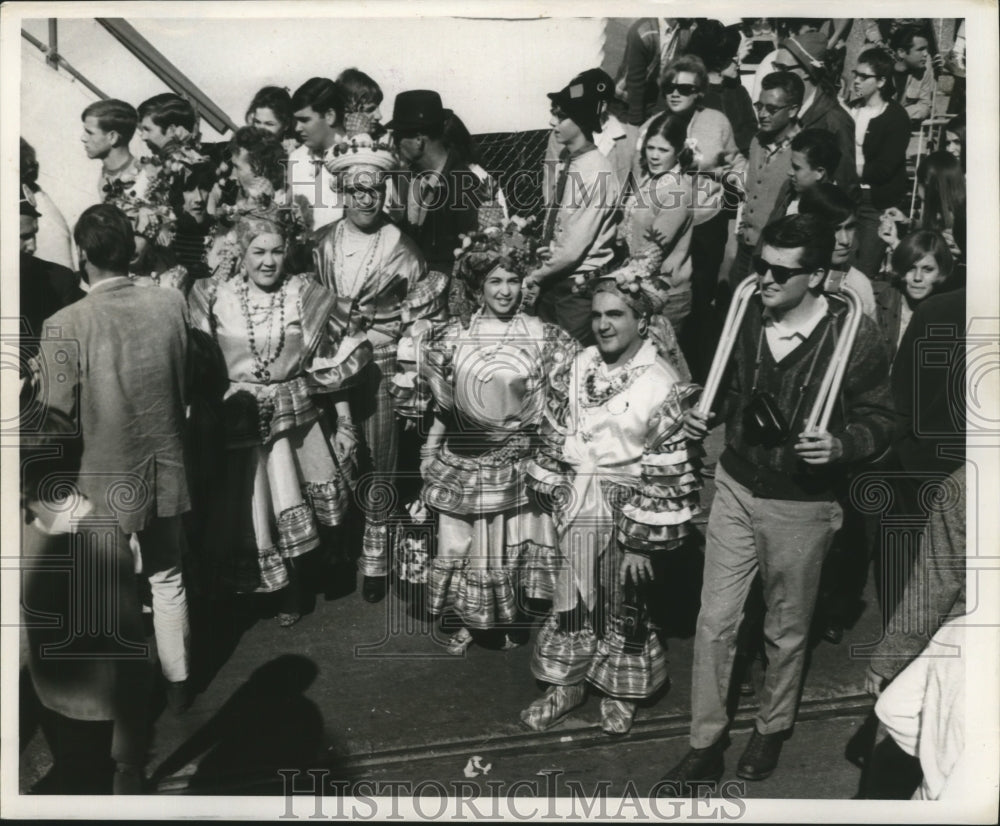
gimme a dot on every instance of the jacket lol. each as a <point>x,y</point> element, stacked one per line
<point>114,363</point>
<point>884,148</point>
<point>826,113</point>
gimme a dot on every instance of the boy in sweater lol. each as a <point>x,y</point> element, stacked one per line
<point>775,509</point>
<point>581,211</point>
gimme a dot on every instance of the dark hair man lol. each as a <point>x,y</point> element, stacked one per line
<point>127,392</point>
<point>775,510</point>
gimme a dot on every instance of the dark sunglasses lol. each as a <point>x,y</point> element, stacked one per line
<point>779,274</point>
<point>770,108</point>
<point>685,89</point>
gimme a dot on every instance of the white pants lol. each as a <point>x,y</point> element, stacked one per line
<point>160,548</point>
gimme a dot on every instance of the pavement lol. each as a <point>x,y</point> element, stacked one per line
<point>360,691</point>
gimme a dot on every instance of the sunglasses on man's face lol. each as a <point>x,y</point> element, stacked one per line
<point>685,89</point>
<point>862,76</point>
<point>778,273</point>
<point>770,108</point>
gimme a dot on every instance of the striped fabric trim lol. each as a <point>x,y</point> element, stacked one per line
<point>328,500</point>
<point>632,676</point>
<point>297,531</point>
<point>562,658</point>
<point>472,486</point>
<point>262,412</point>
<point>540,567</point>
<point>271,574</point>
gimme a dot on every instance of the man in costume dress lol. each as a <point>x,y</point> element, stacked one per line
<point>616,463</point>
<point>368,262</point>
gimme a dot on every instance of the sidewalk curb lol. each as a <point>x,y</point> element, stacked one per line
<point>666,727</point>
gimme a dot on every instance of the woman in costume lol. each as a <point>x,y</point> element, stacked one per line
<point>286,471</point>
<point>379,272</point>
<point>256,169</point>
<point>625,484</point>
<point>486,380</point>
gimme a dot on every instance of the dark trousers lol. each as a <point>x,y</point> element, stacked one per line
<point>558,304</point>
<point>701,332</point>
<point>870,248</point>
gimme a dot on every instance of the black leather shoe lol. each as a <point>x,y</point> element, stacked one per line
<point>760,758</point>
<point>697,770</point>
<point>373,588</point>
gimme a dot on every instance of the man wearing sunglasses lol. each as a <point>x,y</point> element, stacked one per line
<point>775,510</point>
<point>804,54</point>
<point>769,163</point>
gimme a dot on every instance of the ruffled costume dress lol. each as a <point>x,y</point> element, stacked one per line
<point>624,479</point>
<point>387,287</point>
<point>282,477</point>
<point>490,390</point>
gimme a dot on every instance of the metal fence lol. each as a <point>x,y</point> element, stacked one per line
<point>514,159</point>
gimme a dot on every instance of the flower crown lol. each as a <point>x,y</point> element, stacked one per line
<point>148,214</point>
<point>361,148</point>
<point>638,280</point>
<point>512,244</point>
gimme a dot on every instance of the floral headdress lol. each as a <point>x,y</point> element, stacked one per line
<point>149,214</point>
<point>361,149</point>
<point>173,166</point>
<point>512,244</point>
<point>637,281</point>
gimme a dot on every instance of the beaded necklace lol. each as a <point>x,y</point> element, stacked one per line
<point>364,270</point>
<point>487,354</point>
<point>261,362</point>
<point>598,390</point>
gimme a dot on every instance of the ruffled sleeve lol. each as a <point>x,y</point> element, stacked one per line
<point>335,352</point>
<point>657,515</point>
<point>200,301</point>
<point>545,470</point>
<point>410,394</point>
<point>426,298</point>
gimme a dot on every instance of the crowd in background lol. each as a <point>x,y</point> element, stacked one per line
<point>263,338</point>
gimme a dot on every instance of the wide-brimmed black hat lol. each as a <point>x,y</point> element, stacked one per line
<point>417,108</point>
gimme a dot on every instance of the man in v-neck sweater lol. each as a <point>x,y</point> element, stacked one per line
<point>776,509</point>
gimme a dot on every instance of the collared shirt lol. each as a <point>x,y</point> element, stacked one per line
<point>863,115</point>
<point>784,336</point>
<point>312,182</point>
<point>668,42</point>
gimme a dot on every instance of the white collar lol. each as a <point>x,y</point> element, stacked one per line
<point>612,131</point>
<point>801,328</point>
<point>113,280</point>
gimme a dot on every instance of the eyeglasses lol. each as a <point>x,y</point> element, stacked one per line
<point>770,108</point>
<point>862,75</point>
<point>685,89</point>
<point>365,191</point>
<point>779,274</point>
